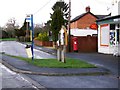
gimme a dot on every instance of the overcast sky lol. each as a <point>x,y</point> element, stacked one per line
<point>41,9</point>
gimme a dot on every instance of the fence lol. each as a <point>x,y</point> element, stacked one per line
<point>43,43</point>
<point>86,43</point>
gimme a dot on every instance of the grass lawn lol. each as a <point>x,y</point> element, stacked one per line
<point>7,39</point>
<point>54,63</point>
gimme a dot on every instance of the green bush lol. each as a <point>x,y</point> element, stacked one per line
<point>43,36</point>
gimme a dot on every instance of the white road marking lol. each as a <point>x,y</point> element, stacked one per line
<point>18,76</point>
<point>8,70</point>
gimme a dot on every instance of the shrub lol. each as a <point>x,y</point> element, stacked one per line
<point>3,34</point>
<point>43,37</point>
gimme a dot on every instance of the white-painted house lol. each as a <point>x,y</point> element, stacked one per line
<point>109,32</point>
<point>83,32</point>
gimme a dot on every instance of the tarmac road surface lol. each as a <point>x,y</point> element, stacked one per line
<point>18,49</point>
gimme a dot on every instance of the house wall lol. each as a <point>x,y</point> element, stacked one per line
<point>119,8</point>
<point>115,9</point>
<point>74,24</point>
<point>110,48</point>
<point>84,22</point>
<point>104,45</point>
<point>83,32</point>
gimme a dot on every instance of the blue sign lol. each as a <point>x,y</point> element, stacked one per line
<point>28,19</point>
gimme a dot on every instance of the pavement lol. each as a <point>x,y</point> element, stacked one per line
<point>106,61</point>
<point>23,67</point>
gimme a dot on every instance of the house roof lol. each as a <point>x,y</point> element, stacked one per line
<point>108,17</point>
<point>101,16</point>
<point>80,16</point>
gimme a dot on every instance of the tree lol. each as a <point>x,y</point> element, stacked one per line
<point>59,18</point>
<point>20,33</point>
<point>10,26</point>
<point>56,23</point>
<point>3,33</point>
<point>48,26</point>
<point>37,29</point>
<point>64,8</point>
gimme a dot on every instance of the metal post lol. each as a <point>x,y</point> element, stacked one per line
<point>27,29</point>
<point>69,33</point>
<point>32,27</point>
<point>58,48</point>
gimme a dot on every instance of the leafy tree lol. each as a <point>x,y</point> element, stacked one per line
<point>56,23</point>
<point>64,8</point>
<point>59,18</point>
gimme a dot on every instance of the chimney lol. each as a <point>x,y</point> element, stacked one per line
<point>88,9</point>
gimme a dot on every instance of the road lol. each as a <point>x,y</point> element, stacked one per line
<point>18,49</point>
<point>14,79</point>
<point>11,79</point>
<point>76,81</point>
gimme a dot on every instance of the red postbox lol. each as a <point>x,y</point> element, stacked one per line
<point>75,44</point>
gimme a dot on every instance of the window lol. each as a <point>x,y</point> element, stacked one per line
<point>104,35</point>
<point>118,35</point>
<point>112,26</point>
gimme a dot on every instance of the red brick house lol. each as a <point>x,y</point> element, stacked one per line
<point>85,20</point>
<point>80,28</point>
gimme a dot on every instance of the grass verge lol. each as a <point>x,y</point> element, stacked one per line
<point>54,63</point>
<point>7,39</point>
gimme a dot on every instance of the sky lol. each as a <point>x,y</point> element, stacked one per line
<point>41,9</point>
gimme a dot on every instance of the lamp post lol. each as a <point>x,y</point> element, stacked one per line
<point>69,33</point>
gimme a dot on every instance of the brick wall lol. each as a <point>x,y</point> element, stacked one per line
<point>43,43</point>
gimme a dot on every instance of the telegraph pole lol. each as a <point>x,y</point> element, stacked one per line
<point>69,33</point>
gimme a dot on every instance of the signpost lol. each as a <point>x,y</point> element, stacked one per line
<point>32,27</point>
<point>29,19</point>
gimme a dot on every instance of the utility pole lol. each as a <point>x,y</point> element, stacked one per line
<point>69,33</point>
